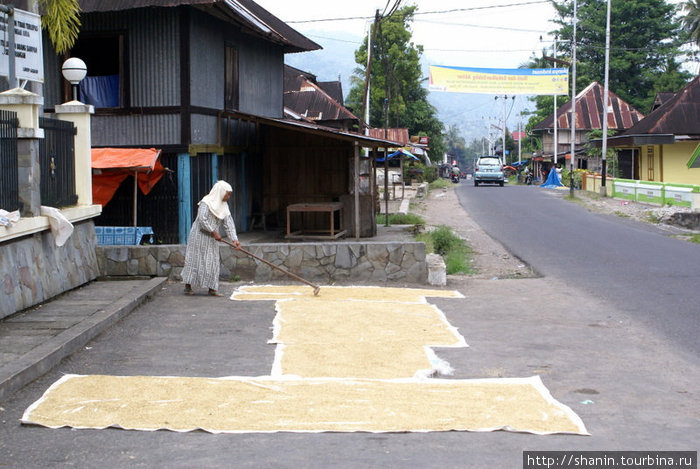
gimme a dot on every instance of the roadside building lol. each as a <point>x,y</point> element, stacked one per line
<point>203,81</point>
<point>665,145</point>
<point>589,116</point>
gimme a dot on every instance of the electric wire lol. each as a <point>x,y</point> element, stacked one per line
<point>437,12</point>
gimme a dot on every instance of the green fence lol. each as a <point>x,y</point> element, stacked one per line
<point>654,192</point>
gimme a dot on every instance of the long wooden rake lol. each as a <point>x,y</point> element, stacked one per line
<point>315,287</point>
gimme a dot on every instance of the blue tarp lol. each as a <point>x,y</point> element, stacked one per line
<point>400,153</point>
<point>100,91</point>
<point>553,181</point>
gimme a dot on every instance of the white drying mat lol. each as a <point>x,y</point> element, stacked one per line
<point>266,404</point>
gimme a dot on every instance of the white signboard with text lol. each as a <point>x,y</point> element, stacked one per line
<point>29,62</point>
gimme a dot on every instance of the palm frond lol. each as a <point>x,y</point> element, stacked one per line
<point>62,21</point>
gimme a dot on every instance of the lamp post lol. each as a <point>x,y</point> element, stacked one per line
<point>74,70</point>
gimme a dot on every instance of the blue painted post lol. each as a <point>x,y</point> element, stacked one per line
<point>214,168</point>
<point>184,192</point>
<point>244,195</point>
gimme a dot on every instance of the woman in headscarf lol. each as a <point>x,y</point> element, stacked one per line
<point>202,260</point>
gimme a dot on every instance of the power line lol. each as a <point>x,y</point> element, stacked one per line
<point>480,8</point>
<point>359,42</point>
<point>478,50</point>
<point>437,12</point>
<point>466,25</point>
<point>393,9</point>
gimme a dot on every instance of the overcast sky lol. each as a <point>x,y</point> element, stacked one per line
<point>487,35</point>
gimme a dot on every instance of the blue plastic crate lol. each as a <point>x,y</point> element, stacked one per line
<point>122,235</point>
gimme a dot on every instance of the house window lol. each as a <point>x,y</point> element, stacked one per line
<point>231,79</point>
<point>650,163</point>
<point>103,54</point>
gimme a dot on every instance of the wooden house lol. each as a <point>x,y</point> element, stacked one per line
<point>202,81</point>
<point>666,143</point>
<point>589,116</point>
<point>317,102</point>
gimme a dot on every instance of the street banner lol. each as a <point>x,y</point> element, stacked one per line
<point>499,80</point>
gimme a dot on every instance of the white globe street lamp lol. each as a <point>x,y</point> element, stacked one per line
<point>74,70</point>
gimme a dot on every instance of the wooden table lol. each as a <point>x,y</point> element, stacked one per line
<point>329,207</point>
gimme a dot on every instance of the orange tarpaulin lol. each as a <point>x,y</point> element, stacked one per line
<point>110,166</point>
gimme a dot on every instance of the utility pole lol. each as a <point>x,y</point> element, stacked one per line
<point>556,123</point>
<point>603,189</point>
<point>573,104</point>
<point>12,75</point>
<point>371,38</point>
<point>385,60</point>
<point>505,111</point>
<point>520,138</point>
<point>503,129</point>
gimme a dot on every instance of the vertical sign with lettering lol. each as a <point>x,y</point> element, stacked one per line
<point>29,61</point>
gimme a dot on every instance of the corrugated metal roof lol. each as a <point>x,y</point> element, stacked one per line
<point>334,90</point>
<point>395,135</point>
<point>679,115</point>
<point>302,126</point>
<point>305,97</point>
<point>661,98</point>
<point>589,110</point>
<point>245,12</point>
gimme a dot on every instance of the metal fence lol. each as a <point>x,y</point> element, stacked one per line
<point>9,168</point>
<point>57,161</point>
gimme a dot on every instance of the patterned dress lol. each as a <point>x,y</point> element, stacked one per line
<point>202,261</point>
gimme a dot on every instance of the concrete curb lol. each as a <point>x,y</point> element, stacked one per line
<point>43,358</point>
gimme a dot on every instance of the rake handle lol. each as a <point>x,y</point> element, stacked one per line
<point>315,287</point>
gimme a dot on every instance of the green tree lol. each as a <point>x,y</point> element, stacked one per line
<point>397,97</point>
<point>456,146</point>
<point>691,20</point>
<point>61,19</point>
<point>644,47</point>
<point>544,103</point>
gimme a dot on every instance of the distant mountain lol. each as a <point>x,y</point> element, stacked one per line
<point>336,61</point>
<point>472,114</point>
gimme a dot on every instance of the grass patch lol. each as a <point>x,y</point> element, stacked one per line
<point>405,219</point>
<point>458,263</point>
<point>651,218</point>
<point>452,248</point>
<point>694,238</point>
<point>400,219</point>
<point>427,239</point>
<point>440,183</point>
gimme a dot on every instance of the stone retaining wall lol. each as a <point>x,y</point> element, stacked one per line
<point>33,269</point>
<point>321,262</point>
<point>689,220</point>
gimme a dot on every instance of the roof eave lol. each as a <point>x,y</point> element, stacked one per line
<point>636,140</point>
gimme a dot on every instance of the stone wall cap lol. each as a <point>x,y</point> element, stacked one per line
<point>29,132</point>
<point>74,107</point>
<point>20,96</point>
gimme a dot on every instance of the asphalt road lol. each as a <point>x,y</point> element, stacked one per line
<point>632,391</point>
<point>632,265</point>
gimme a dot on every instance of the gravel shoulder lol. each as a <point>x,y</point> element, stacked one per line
<point>492,260</point>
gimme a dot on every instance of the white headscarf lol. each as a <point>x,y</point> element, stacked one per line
<point>215,200</point>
